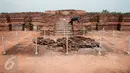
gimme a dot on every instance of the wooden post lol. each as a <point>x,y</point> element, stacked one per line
<point>64,28</point>
<point>84,33</point>
<point>67,45</point>
<point>25,30</point>
<point>100,39</point>
<point>128,51</point>
<point>17,37</point>
<point>99,51</point>
<point>36,52</point>
<point>64,31</point>
<point>113,34</point>
<point>3,45</point>
<point>103,32</point>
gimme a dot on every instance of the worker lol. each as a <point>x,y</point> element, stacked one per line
<point>71,22</point>
<point>74,19</point>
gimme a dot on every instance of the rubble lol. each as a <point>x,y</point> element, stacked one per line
<point>42,41</point>
<point>78,42</point>
<point>74,43</point>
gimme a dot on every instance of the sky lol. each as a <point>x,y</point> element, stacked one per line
<point>43,5</point>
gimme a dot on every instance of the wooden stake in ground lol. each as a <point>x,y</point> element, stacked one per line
<point>64,27</point>
<point>3,45</point>
<point>113,34</point>
<point>44,35</point>
<point>25,30</point>
<point>17,37</point>
<point>67,44</point>
<point>99,51</point>
<point>36,52</point>
<point>128,51</point>
<point>83,31</point>
<point>100,39</point>
<point>103,33</point>
<point>64,31</point>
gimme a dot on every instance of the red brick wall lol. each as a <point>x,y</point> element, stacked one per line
<point>49,18</point>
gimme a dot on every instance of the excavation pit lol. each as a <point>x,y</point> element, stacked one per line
<point>76,45</point>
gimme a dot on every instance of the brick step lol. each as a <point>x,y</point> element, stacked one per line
<point>62,26</point>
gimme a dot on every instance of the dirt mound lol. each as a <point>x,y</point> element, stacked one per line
<point>20,50</point>
<point>74,43</point>
<point>42,41</point>
<point>78,42</point>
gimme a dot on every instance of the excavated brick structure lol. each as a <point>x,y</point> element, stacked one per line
<point>48,20</point>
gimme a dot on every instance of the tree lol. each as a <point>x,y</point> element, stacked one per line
<point>105,11</point>
<point>4,13</point>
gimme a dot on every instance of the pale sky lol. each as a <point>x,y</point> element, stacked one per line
<point>42,5</point>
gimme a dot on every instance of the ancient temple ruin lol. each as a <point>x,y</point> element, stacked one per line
<point>49,20</point>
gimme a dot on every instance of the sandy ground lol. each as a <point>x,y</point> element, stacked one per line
<point>113,62</point>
